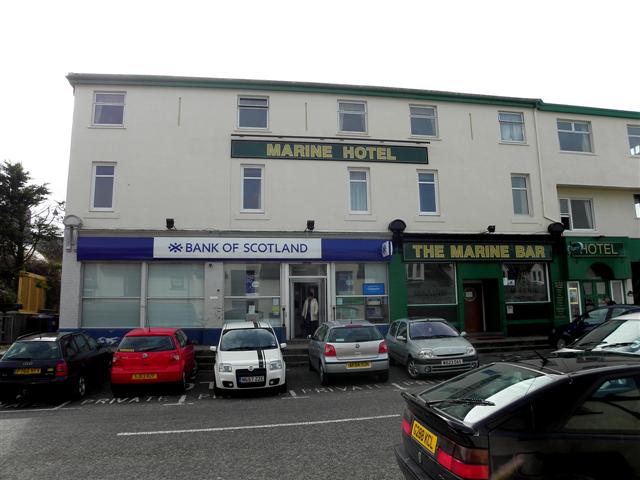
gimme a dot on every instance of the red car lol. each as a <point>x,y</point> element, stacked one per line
<point>153,355</point>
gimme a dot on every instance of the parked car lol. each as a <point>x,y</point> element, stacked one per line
<point>429,346</point>
<point>249,356</point>
<point>564,417</point>
<point>153,355</point>
<point>563,335</point>
<point>618,335</point>
<point>339,348</point>
<point>53,363</point>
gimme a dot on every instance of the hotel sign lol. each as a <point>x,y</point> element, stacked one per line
<point>425,251</point>
<point>328,151</point>
<point>592,249</point>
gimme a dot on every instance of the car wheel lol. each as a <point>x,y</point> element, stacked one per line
<point>79,388</point>
<point>117,390</point>
<point>324,377</point>
<point>384,376</point>
<point>283,388</point>
<point>392,361</point>
<point>561,343</point>
<point>412,369</point>
<point>181,385</point>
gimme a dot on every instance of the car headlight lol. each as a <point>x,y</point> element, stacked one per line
<point>471,351</point>
<point>225,367</point>
<point>275,365</point>
<point>426,353</point>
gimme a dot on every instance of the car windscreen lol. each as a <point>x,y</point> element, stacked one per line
<point>353,334</point>
<point>247,339</point>
<point>476,395</point>
<point>33,350</point>
<point>623,336</point>
<point>149,343</point>
<point>420,330</point>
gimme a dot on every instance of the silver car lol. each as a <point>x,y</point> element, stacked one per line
<point>348,348</point>
<point>429,346</point>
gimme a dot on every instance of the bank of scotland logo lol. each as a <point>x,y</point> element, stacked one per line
<point>175,247</point>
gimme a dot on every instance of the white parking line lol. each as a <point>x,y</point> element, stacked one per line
<point>253,427</point>
<point>41,409</point>
<point>398,386</point>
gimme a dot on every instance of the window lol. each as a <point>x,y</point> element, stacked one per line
<point>359,191</point>
<point>428,192</point>
<point>423,120</point>
<point>252,190</point>
<point>636,201</point>
<point>352,117</point>
<point>108,108</point>
<point>252,289</point>
<point>574,136</point>
<point>431,283</point>
<point>525,282</point>
<point>520,194</point>
<point>617,294</point>
<point>171,307</point>
<point>634,139</point>
<point>511,127</point>
<point>111,295</point>
<point>576,214</point>
<point>361,292</point>
<point>102,187</point>
<point>253,112</point>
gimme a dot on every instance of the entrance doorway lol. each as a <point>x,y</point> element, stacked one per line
<point>474,320</point>
<point>308,306</point>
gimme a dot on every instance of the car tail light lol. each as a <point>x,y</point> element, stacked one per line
<point>467,463</point>
<point>61,369</point>
<point>382,348</point>
<point>406,426</point>
<point>329,350</point>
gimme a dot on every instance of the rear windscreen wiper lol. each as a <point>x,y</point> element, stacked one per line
<point>620,344</point>
<point>461,401</point>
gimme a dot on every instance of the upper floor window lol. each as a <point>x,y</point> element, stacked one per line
<point>102,186</point>
<point>359,191</point>
<point>108,108</point>
<point>576,214</point>
<point>520,194</point>
<point>428,192</point>
<point>634,139</point>
<point>636,201</point>
<point>253,112</point>
<point>352,117</point>
<point>574,136</point>
<point>252,189</point>
<point>423,120</point>
<point>511,127</point>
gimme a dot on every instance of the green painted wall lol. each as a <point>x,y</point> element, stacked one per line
<point>397,288</point>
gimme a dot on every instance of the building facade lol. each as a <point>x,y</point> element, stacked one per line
<point>195,201</point>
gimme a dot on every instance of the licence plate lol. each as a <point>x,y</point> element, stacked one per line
<point>427,439</point>
<point>457,361</point>
<point>359,365</point>
<point>254,379</point>
<point>144,376</point>
<point>26,371</point>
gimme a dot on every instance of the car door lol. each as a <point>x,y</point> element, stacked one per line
<point>72,356</point>
<point>401,341</point>
<point>316,346</point>
<point>187,351</point>
<point>391,339</point>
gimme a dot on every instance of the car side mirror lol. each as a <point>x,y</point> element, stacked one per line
<point>283,346</point>
<point>213,348</point>
<point>463,333</point>
<point>308,337</point>
<point>401,338</point>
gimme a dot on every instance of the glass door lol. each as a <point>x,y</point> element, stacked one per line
<point>307,298</point>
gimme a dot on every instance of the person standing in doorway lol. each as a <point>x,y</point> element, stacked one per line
<point>310,313</point>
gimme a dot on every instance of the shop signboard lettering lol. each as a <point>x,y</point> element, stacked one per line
<point>593,249</point>
<point>328,151</point>
<point>225,248</point>
<point>473,251</point>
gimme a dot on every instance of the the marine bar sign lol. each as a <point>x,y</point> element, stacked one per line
<point>328,151</point>
<point>214,248</point>
<point>474,251</point>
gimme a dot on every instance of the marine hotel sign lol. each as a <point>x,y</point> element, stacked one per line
<point>328,151</point>
<point>425,251</point>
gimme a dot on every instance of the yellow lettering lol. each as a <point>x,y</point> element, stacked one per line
<point>530,252</point>
<point>480,251</point>
<point>361,153</point>
<point>504,251</point>
<point>315,151</point>
<point>539,251</point>
<point>456,251</point>
<point>390,156</point>
<point>520,251</point>
<point>347,152</point>
<point>273,149</point>
<point>439,253</point>
<point>371,152</point>
<point>382,153</point>
<point>417,250</point>
<point>468,252</point>
<point>286,150</point>
<point>494,251</point>
<point>298,150</point>
<point>326,151</point>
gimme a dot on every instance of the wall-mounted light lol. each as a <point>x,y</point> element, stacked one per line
<point>491,228</point>
<point>555,229</point>
<point>170,224</point>
<point>72,224</point>
<point>311,224</point>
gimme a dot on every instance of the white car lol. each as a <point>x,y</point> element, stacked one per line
<point>248,357</point>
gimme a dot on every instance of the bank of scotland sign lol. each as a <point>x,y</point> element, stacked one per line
<point>240,248</point>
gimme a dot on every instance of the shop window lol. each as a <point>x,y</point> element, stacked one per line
<point>352,117</point>
<point>511,127</point>
<point>424,120</point>
<point>252,189</point>
<point>111,295</point>
<point>525,282</point>
<point>431,283</point>
<point>252,292</point>
<point>428,192</point>
<point>574,136</point>
<point>175,295</point>
<point>577,214</point>
<point>253,112</point>
<point>634,139</point>
<point>520,194</point>
<point>617,291</point>
<point>102,186</point>
<point>108,108</point>
<point>362,292</point>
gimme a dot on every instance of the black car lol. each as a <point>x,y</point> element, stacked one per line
<point>563,335</point>
<point>53,363</point>
<point>561,417</point>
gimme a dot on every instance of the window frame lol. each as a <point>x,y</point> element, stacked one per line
<point>365,115</point>
<point>526,191</point>
<point>96,103</point>
<point>636,204</point>
<point>435,120</point>
<point>252,97</point>
<point>634,135</point>
<point>522,124</point>
<point>242,188</point>
<point>367,183</point>
<point>436,192</point>
<point>94,176</point>
<point>571,226</point>
<point>575,132</point>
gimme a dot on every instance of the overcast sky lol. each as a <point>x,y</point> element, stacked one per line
<point>562,51</point>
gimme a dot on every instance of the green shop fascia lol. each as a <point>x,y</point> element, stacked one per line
<point>484,283</point>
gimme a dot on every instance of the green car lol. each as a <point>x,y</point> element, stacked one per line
<point>429,346</point>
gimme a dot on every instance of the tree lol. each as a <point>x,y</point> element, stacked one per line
<point>27,219</point>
